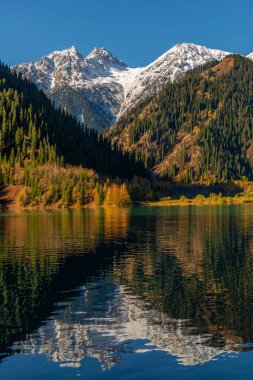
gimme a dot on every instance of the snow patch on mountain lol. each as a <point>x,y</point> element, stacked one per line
<point>250,56</point>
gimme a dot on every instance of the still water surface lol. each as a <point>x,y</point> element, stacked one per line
<point>141,293</point>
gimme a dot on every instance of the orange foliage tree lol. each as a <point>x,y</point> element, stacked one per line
<point>117,195</point>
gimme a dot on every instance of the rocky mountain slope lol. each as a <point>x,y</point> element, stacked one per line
<point>99,89</point>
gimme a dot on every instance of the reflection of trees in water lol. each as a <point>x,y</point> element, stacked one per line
<point>188,264</point>
<point>198,266</point>
<point>59,232</point>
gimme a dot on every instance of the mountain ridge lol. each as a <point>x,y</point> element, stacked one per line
<point>99,89</point>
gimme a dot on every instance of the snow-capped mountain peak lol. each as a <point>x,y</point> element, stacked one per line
<point>250,56</point>
<point>100,88</point>
<point>103,56</point>
<point>71,50</point>
<point>69,53</point>
<point>190,48</point>
<point>185,47</point>
<point>187,55</point>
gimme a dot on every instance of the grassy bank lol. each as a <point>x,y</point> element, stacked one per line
<point>212,199</point>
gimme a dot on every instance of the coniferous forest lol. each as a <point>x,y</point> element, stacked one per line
<point>197,128</point>
<point>33,131</point>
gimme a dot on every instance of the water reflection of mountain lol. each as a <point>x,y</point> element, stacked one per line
<point>43,254</point>
<point>179,278</point>
<point>103,322</point>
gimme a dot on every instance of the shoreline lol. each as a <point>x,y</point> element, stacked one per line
<point>161,203</point>
<point>9,200</point>
<point>192,202</point>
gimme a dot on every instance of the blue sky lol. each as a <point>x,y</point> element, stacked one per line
<point>136,31</point>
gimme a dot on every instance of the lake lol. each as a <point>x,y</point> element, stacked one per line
<point>138,293</point>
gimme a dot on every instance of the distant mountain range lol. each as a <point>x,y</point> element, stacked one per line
<point>100,88</point>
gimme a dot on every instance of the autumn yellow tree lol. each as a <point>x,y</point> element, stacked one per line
<point>124,197</point>
<point>117,196</point>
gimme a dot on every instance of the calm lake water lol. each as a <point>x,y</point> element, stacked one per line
<point>141,293</point>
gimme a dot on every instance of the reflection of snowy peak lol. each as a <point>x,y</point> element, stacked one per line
<point>102,321</point>
<point>99,89</point>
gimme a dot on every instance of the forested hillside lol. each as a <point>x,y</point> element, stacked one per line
<point>47,159</point>
<point>197,128</point>
<point>33,131</point>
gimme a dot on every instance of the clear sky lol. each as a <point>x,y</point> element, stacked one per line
<point>136,31</point>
